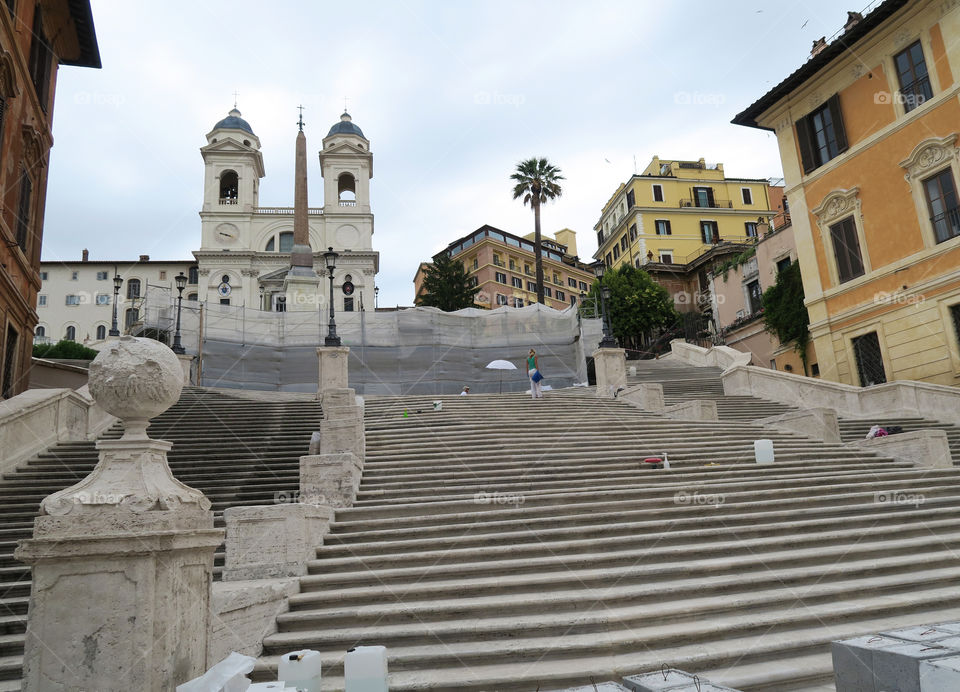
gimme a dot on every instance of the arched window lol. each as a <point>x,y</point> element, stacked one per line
<point>271,244</point>
<point>40,331</point>
<point>228,187</point>
<point>101,332</point>
<point>133,288</point>
<point>347,190</point>
<point>130,317</point>
<point>71,333</point>
<point>193,275</point>
<point>286,241</point>
<point>191,296</point>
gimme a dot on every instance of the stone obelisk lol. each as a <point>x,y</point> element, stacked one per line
<point>301,283</point>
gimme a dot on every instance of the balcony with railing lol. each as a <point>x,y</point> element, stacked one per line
<point>946,225</point>
<point>286,211</point>
<point>347,202</point>
<point>706,203</point>
<point>228,200</point>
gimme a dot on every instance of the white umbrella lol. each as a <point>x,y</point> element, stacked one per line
<point>501,365</point>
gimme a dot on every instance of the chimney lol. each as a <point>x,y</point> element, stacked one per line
<point>853,18</point>
<point>818,46</point>
<point>85,257</point>
<point>144,258</point>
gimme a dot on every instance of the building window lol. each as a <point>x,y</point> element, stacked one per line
<point>600,237</point>
<point>709,232</point>
<point>609,260</point>
<point>751,228</point>
<point>846,249</point>
<point>571,282</point>
<point>703,196</point>
<point>815,369</point>
<point>71,333</point>
<point>547,292</point>
<point>101,332</point>
<point>102,276</point>
<point>955,316</point>
<point>44,276</point>
<point>866,351</point>
<point>228,187</point>
<point>74,276</point>
<point>662,226</point>
<point>624,243</point>
<point>271,245</point>
<point>631,199</point>
<point>518,302</point>
<point>41,61</point>
<point>9,361</point>
<point>133,288</point>
<point>941,196</point>
<point>42,300</point>
<point>348,304</point>
<point>583,285</point>
<point>501,278</point>
<point>666,256</point>
<point>747,195</point>
<point>286,241</point>
<point>573,300</point>
<point>40,331</point>
<point>821,135</point>
<point>755,296</point>
<point>103,299</point>
<point>532,287</point>
<point>193,275</point>
<point>224,301</point>
<point>191,296</point>
<point>163,276</point>
<point>496,261</point>
<point>516,282</point>
<point>513,265</point>
<point>561,295</point>
<point>616,252</point>
<point>501,299</point>
<point>914,81</point>
<point>73,300</point>
<point>527,270</point>
<point>23,209</point>
<point>783,264</point>
<point>633,232</point>
<point>657,193</point>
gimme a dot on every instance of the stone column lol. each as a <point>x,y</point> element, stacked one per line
<point>333,368</point>
<point>332,477</point>
<point>186,362</point>
<point>611,369</point>
<point>122,561</point>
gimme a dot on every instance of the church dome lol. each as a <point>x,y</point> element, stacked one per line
<point>345,127</point>
<point>233,121</point>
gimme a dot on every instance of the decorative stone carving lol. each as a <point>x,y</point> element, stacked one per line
<point>929,154</point>
<point>34,148</point>
<point>136,379</point>
<point>837,204</point>
<point>856,71</point>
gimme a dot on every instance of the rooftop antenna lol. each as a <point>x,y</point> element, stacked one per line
<point>300,120</point>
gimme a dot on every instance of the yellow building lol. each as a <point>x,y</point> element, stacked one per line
<point>675,211</point>
<point>868,133</point>
<point>502,266</point>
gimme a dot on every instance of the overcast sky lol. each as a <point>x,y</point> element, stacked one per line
<point>451,95</point>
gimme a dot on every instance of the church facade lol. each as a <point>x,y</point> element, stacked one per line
<point>245,249</point>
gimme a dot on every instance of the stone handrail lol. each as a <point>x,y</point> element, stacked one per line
<point>39,418</point>
<point>901,398</point>
<point>719,356</point>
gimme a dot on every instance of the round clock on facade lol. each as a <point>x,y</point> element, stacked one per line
<point>227,233</point>
<point>224,289</point>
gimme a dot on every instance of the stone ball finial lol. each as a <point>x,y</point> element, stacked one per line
<point>136,379</point>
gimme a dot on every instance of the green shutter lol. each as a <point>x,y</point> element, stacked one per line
<point>806,147</point>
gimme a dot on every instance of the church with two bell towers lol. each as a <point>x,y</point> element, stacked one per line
<point>248,252</point>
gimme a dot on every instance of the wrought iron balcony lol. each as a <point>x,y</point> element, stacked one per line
<point>707,204</point>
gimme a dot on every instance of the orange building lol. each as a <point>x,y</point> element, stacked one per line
<point>35,39</point>
<point>501,265</point>
<point>869,136</point>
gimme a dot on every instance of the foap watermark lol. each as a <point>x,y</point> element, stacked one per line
<point>698,98</point>
<point>898,497</point>
<point>97,497</point>
<point>486,98</point>
<point>898,298</point>
<point>93,98</point>
<point>687,298</point>
<point>683,497</point>
<point>295,497</point>
<point>497,498</point>
<point>910,101</point>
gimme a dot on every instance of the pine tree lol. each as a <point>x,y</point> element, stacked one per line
<point>446,285</point>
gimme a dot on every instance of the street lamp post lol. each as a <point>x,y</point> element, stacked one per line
<point>608,341</point>
<point>181,284</point>
<point>376,295</point>
<point>330,257</point>
<point>117,282</point>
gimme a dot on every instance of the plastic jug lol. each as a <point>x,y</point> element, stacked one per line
<point>365,669</point>
<point>301,669</point>
<point>763,451</point>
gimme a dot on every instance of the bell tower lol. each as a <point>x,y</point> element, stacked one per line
<point>233,166</point>
<point>347,166</point>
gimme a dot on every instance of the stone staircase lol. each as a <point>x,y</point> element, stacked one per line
<point>238,451</point>
<point>508,544</point>
<point>856,429</point>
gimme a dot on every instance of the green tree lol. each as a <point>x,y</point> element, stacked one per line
<point>446,285</point>
<point>784,314</point>
<point>69,350</point>
<point>637,305</point>
<point>537,181</point>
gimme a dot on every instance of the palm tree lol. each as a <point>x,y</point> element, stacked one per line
<point>537,182</point>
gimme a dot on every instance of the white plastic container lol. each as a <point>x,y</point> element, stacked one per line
<point>633,371</point>
<point>365,669</point>
<point>301,669</point>
<point>763,451</point>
